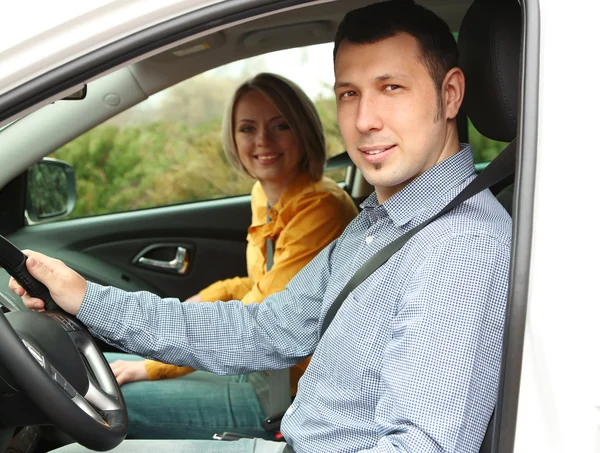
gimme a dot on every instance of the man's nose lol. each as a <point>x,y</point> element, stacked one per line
<point>368,118</point>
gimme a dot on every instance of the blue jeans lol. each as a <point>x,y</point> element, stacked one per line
<point>195,406</point>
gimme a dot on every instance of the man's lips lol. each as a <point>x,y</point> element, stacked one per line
<point>374,149</point>
<point>376,153</point>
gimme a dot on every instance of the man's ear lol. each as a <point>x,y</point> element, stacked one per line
<point>453,92</point>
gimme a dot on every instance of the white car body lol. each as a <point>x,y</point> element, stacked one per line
<point>559,398</point>
<point>559,403</point>
<point>64,30</point>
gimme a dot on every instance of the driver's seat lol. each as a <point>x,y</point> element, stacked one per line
<point>489,43</point>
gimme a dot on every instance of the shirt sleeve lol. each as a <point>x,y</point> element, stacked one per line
<point>440,372</point>
<point>318,219</point>
<point>221,337</point>
<point>229,289</point>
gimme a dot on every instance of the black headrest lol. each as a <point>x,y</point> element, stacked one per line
<point>489,43</point>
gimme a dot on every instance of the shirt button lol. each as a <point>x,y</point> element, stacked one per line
<point>369,239</point>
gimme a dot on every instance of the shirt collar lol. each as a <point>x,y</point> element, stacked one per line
<point>259,199</point>
<point>300,183</point>
<point>427,190</point>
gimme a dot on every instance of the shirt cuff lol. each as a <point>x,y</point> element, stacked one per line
<point>96,310</point>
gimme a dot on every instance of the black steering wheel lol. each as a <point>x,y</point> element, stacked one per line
<point>52,359</point>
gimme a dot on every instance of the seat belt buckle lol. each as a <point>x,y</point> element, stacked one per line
<point>273,422</point>
<point>227,436</point>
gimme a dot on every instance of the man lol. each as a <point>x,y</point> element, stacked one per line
<point>410,363</point>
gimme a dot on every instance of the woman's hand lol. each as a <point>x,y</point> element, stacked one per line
<point>129,370</point>
<point>194,298</point>
<point>66,286</point>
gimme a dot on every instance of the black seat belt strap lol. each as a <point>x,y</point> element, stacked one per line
<point>497,170</point>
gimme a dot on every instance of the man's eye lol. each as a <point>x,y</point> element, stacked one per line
<point>347,94</point>
<point>392,87</point>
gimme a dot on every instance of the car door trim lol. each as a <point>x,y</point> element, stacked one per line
<point>505,423</point>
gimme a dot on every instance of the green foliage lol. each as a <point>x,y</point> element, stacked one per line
<point>135,167</point>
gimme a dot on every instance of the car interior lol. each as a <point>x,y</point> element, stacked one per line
<point>110,248</point>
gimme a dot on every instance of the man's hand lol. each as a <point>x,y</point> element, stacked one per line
<point>129,370</point>
<point>66,286</point>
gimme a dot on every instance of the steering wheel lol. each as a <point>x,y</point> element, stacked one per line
<point>55,362</point>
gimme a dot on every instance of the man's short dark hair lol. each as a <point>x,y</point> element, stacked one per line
<point>379,21</point>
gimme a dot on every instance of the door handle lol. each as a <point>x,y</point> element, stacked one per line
<point>177,265</point>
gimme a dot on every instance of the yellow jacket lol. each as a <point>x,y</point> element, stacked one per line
<point>307,217</point>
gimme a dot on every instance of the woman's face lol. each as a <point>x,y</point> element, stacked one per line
<point>264,140</point>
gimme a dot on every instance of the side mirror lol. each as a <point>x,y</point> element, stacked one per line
<point>51,190</point>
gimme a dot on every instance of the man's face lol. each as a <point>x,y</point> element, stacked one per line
<point>387,108</point>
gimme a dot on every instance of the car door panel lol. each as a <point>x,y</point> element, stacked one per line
<point>210,259</point>
<point>103,248</point>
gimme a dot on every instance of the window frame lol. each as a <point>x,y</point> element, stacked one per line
<point>505,422</point>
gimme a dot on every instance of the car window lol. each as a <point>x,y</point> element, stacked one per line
<point>167,149</point>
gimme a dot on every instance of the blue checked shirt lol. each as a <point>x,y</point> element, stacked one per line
<point>411,361</point>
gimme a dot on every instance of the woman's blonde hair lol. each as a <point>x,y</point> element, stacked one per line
<point>297,109</point>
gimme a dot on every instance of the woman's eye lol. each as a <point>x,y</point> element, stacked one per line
<point>282,126</point>
<point>246,129</point>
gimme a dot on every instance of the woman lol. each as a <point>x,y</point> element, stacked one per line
<point>271,132</point>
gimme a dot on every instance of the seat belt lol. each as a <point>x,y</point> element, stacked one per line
<point>270,249</point>
<point>272,387</point>
<point>273,390</point>
<point>502,167</point>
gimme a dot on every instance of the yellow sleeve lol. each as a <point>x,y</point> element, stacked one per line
<point>318,219</point>
<point>159,370</point>
<point>237,287</point>
<point>229,289</point>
